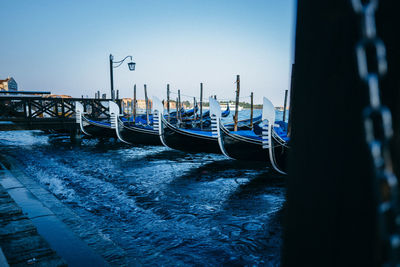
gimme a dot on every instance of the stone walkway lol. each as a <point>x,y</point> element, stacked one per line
<point>19,239</point>
<point>78,243</point>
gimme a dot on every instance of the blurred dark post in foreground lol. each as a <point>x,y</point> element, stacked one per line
<point>331,213</point>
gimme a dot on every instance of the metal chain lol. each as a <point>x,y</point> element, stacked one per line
<point>378,131</point>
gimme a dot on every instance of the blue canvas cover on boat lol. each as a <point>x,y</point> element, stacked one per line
<point>257,130</point>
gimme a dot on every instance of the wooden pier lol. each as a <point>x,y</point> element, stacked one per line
<point>19,112</point>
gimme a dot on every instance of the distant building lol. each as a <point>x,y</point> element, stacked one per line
<point>58,96</point>
<point>232,106</point>
<point>126,104</point>
<point>141,103</point>
<point>8,84</point>
<point>172,104</point>
<point>281,108</point>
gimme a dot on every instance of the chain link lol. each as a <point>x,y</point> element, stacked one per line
<point>378,130</point>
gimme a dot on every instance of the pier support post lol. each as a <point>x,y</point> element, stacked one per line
<point>75,136</point>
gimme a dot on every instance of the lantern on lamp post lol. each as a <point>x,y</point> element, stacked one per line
<point>131,66</point>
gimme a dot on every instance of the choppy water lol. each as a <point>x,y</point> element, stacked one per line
<point>161,206</point>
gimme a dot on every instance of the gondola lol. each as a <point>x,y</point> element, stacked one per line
<point>189,123</point>
<point>139,133</point>
<point>244,124</point>
<point>133,133</point>
<point>188,140</point>
<point>94,128</point>
<point>268,143</point>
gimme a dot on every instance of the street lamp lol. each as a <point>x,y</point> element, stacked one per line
<point>131,66</point>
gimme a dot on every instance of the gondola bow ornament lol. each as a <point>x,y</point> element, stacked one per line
<point>158,108</point>
<point>79,110</point>
<point>215,115</point>
<point>114,115</point>
<point>268,121</point>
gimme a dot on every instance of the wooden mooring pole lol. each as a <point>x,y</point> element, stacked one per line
<point>134,104</point>
<point>179,101</point>
<point>284,106</point>
<point>235,118</point>
<point>251,110</point>
<point>168,102</point>
<point>194,108</point>
<point>201,105</point>
<point>289,130</point>
<point>147,104</point>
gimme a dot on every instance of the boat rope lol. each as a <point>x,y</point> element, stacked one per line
<point>378,133</point>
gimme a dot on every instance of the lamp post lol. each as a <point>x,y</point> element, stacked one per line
<point>131,66</point>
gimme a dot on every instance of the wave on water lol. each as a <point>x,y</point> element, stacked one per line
<point>162,206</point>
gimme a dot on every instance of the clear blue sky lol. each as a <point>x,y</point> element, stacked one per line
<point>63,46</point>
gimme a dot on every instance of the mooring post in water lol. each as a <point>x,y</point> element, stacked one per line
<point>289,129</point>
<point>147,104</point>
<point>235,118</point>
<point>168,103</point>
<point>117,95</point>
<point>75,136</point>
<point>284,106</point>
<point>194,108</point>
<point>179,101</point>
<point>134,104</point>
<point>251,110</point>
<point>201,105</point>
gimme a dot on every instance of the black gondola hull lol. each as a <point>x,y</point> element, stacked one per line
<point>281,154</point>
<point>98,130</point>
<point>137,135</point>
<point>239,148</point>
<point>242,148</point>
<point>188,142</point>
